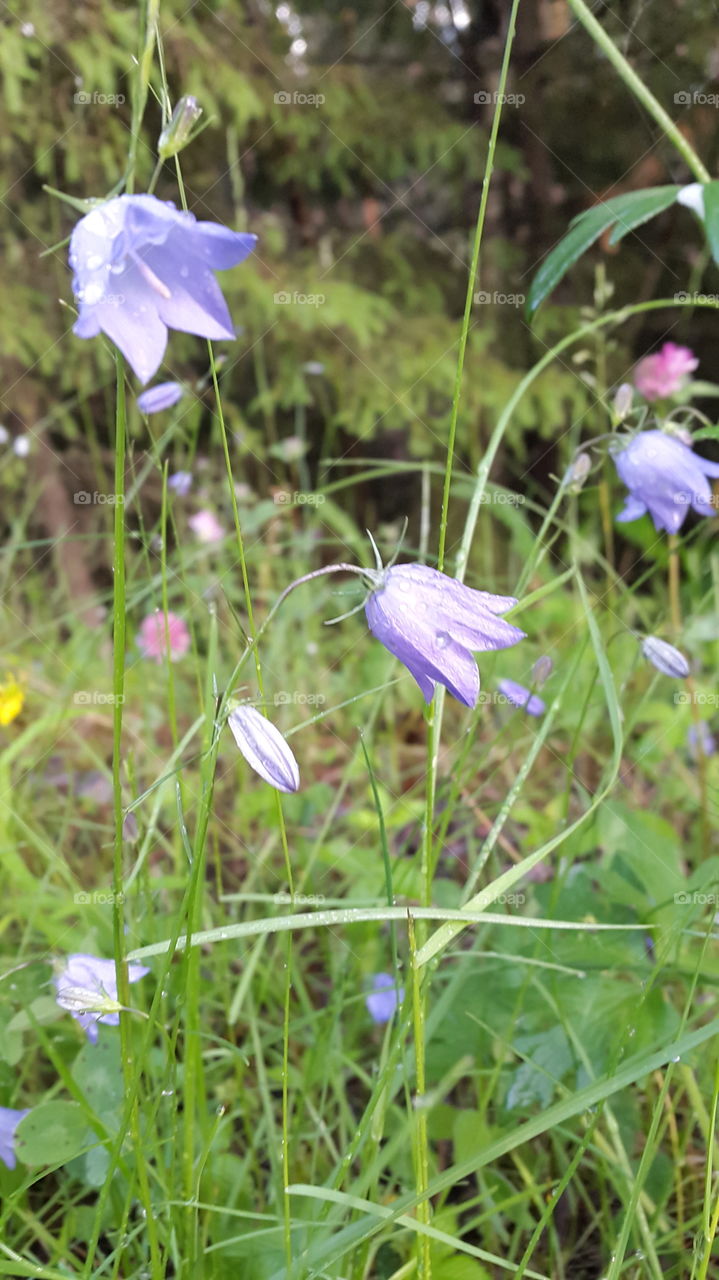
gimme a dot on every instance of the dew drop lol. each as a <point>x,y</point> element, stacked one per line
<point>184,272</point>
<point>94,261</point>
<point>442,638</point>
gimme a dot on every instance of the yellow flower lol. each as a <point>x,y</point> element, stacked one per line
<point>12,698</point>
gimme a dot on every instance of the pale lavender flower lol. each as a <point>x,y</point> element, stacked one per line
<point>9,1121</point>
<point>703,737</point>
<point>86,987</point>
<point>521,697</point>
<point>434,624</point>
<point>264,748</point>
<point>206,527</point>
<point>142,266</point>
<point>662,655</point>
<point>180,482</point>
<point>665,372</point>
<point>162,396</point>
<point>664,477</point>
<point>384,997</point>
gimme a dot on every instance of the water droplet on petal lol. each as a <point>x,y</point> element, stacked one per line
<point>442,638</point>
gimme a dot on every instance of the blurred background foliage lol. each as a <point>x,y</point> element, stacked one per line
<point>352,140</point>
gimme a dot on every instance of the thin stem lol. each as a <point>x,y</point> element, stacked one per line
<point>640,90</point>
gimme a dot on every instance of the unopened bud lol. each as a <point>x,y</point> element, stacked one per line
<point>542,670</point>
<point>663,656</point>
<point>578,471</point>
<point>623,400</point>
<point>176,132</point>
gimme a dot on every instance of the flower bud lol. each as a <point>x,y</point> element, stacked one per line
<point>623,400</point>
<point>542,669</point>
<point>264,748</point>
<point>665,657</point>
<point>176,133</point>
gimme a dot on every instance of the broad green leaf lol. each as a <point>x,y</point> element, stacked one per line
<point>53,1133</point>
<point>627,212</point>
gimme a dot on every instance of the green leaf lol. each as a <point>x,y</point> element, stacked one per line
<point>710,192</point>
<point>627,211</point>
<point>53,1133</point>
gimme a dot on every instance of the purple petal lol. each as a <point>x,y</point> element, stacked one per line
<point>429,657</point>
<point>219,247</point>
<point>632,510</point>
<point>195,303</point>
<point>382,1001</point>
<point>9,1121</point>
<point>163,396</point>
<point>521,697</point>
<point>134,326</point>
<point>264,748</point>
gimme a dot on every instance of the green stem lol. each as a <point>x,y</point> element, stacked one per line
<point>640,90</point>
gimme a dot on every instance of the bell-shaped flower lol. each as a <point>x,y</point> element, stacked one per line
<point>141,267</point>
<point>9,1121</point>
<point>86,987</point>
<point>665,372</point>
<point>162,396</point>
<point>521,697</point>
<point>664,477</point>
<point>434,624</point>
<point>264,748</point>
<point>663,656</point>
<point>384,997</point>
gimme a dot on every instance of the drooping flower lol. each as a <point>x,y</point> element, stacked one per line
<point>521,697</point>
<point>664,477</point>
<point>264,748</point>
<point>542,669</point>
<point>665,372</point>
<point>142,266</point>
<point>663,656</point>
<point>434,624</point>
<point>701,736</point>
<point>9,1121</point>
<point>162,396</point>
<point>12,700</point>
<point>206,527</point>
<point>86,987</point>
<point>180,482</point>
<point>160,638</point>
<point>384,997</point>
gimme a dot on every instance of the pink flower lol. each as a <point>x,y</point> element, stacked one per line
<point>206,527</point>
<point>664,373</point>
<point>153,637</point>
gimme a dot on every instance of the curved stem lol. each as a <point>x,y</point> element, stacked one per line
<point>640,90</point>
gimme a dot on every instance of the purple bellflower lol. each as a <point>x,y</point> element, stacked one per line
<point>662,655</point>
<point>664,477</point>
<point>162,396</point>
<point>9,1121</point>
<point>141,267</point>
<point>86,987</point>
<point>434,624</point>
<point>264,748</point>
<point>521,697</point>
<point>384,997</point>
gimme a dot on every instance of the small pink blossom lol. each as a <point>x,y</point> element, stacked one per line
<point>154,635</point>
<point>206,527</point>
<point>665,372</point>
